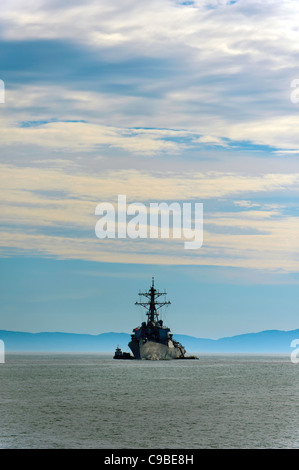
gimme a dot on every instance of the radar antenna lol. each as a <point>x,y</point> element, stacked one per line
<point>152,305</point>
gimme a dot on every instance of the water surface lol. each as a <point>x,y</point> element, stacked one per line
<point>93,401</point>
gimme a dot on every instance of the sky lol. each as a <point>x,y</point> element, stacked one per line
<point>160,101</point>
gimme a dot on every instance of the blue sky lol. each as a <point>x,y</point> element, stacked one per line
<point>161,101</point>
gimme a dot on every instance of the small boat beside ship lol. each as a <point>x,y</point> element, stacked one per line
<point>122,355</point>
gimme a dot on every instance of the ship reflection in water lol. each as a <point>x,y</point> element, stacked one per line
<point>152,340</point>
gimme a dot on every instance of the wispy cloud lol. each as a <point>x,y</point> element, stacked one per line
<point>219,69</point>
<point>256,235</point>
<point>78,136</point>
<point>140,185</point>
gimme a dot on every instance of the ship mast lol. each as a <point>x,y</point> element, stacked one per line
<point>152,305</point>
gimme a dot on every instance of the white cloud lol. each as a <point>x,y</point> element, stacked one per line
<point>78,136</point>
<point>259,236</point>
<point>209,139</point>
<point>141,185</point>
<point>222,76</point>
<point>247,204</point>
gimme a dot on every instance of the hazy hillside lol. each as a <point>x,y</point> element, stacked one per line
<point>272,341</point>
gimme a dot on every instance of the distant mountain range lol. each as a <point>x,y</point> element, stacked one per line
<point>271,341</point>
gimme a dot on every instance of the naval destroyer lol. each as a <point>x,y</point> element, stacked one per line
<point>152,340</point>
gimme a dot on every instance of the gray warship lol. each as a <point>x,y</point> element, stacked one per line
<point>152,340</point>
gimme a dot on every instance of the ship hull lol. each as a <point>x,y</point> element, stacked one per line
<point>153,351</point>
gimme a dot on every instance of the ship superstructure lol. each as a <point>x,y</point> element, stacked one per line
<point>152,340</point>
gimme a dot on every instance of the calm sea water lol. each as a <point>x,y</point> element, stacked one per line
<point>93,401</point>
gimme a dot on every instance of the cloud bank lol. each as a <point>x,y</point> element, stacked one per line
<point>156,101</point>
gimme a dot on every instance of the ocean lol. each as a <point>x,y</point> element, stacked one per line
<point>90,401</point>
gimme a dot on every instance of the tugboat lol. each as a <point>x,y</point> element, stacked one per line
<point>152,340</point>
<point>122,355</point>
